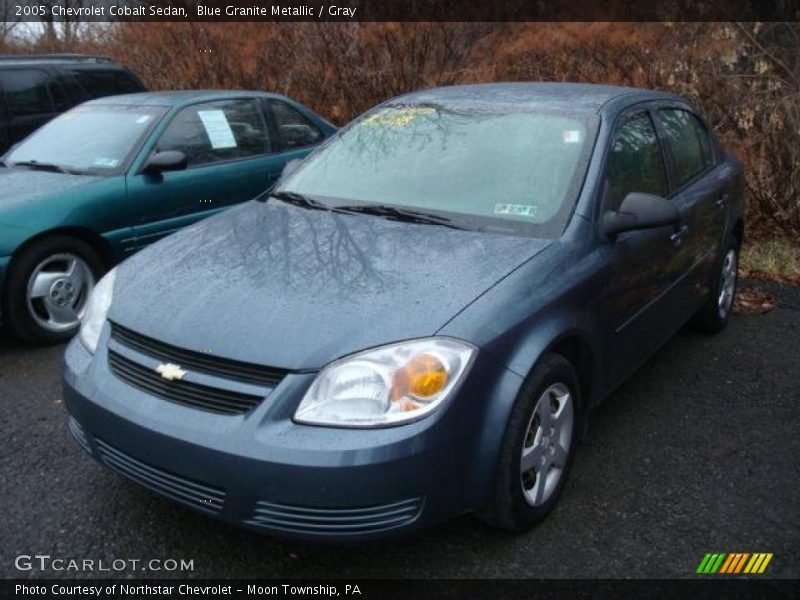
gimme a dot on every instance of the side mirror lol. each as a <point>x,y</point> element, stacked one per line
<point>640,211</point>
<point>290,167</point>
<point>169,160</point>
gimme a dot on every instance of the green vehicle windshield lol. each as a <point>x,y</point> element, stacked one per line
<point>96,139</point>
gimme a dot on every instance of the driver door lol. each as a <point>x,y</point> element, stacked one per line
<point>645,265</point>
<point>230,159</point>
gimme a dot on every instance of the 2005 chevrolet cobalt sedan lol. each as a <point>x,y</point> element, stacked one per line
<point>415,322</point>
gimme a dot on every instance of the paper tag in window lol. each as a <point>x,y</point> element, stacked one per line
<point>572,136</point>
<point>218,129</point>
<point>515,210</point>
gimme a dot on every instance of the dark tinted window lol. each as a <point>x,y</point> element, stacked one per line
<point>106,82</point>
<point>635,163</point>
<point>73,88</point>
<point>295,130</point>
<point>26,92</point>
<point>60,99</point>
<point>217,131</point>
<point>688,141</point>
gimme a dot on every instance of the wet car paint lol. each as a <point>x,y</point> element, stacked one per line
<point>296,288</point>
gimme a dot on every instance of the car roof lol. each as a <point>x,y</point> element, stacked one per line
<point>173,98</point>
<point>576,97</point>
<point>84,60</point>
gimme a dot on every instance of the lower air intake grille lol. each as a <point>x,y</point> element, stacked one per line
<point>212,399</point>
<point>77,432</point>
<point>335,521</point>
<point>186,491</point>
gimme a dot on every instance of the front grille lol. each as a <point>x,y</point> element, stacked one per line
<point>186,491</point>
<point>77,432</point>
<point>217,400</point>
<point>198,361</point>
<point>335,521</point>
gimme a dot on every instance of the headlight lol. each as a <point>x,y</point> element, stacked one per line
<point>96,311</point>
<point>385,386</point>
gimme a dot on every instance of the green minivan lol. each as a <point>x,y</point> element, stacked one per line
<point>115,174</point>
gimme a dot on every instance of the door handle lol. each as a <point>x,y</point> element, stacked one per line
<point>677,235</point>
<point>722,201</point>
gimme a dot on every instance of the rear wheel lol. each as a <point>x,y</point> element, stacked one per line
<point>47,289</point>
<point>716,312</point>
<point>537,447</point>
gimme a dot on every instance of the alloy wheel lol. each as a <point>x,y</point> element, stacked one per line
<point>728,284</point>
<point>58,291</point>
<point>546,447</point>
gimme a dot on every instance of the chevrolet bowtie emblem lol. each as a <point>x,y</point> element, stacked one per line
<point>170,372</point>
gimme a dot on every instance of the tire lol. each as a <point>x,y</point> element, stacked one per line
<point>516,503</point>
<point>716,312</point>
<point>46,285</point>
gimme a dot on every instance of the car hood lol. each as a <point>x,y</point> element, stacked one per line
<point>295,288</point>
<point>21,186</point>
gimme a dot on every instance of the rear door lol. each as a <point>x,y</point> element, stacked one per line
<point>231,158</point>
<point>702,188</point>
<point>28,100</point>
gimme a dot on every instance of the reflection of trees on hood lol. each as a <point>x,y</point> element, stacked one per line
<point>302,250</point>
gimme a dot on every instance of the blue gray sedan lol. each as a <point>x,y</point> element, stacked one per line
<point>417,320</point>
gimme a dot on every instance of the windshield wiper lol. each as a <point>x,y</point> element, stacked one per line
<point>42,166</point>
<point>394,213</point>
<point>299,200</point>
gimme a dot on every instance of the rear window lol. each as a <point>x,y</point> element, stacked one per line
<point>106,82</point>
<point>295,130</point>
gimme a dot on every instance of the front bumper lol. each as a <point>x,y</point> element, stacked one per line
<point>261,470</point>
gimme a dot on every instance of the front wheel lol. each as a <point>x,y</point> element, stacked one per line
<point>537,448</point>
<point>47,289</point>
<point>716,312</point>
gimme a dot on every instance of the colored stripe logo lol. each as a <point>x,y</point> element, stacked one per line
<point>734,563</point>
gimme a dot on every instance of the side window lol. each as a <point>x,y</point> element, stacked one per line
<point>295,130</point>
<point>105,82</point>
<point>60,99</point>
<point>635,163</point>
<point>217,131</point>
<point>26,92</point>
<point>688,142</point>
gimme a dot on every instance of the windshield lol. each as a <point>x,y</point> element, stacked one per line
<point>97,139</point>
<point>516,171</point>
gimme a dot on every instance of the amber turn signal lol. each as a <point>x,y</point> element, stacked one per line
<point>422,377</point>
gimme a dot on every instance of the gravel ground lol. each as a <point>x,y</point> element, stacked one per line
<point>698,452</point>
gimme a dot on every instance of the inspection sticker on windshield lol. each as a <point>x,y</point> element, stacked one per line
<point>572,136</point>
<point>105,163</point>
<point>515,210</point>
<point>142,119</point>
<point>218,129</point>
